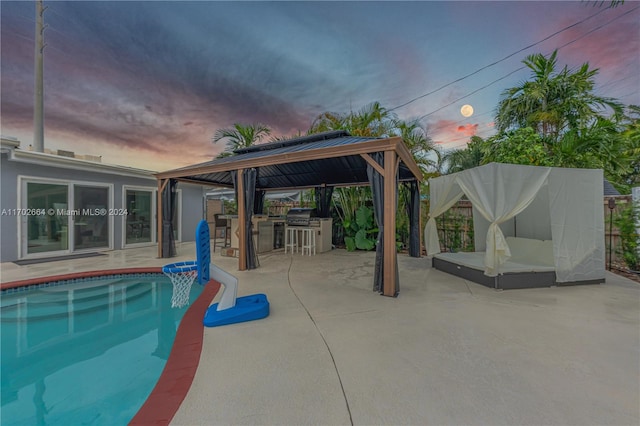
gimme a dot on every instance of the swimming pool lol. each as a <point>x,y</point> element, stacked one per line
<point>85,352</point>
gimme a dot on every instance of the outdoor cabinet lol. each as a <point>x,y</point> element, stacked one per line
<point>323,239</point>
<point>260,224</point>
<point>265,236</point>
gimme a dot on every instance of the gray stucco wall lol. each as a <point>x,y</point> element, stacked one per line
<point>192,210</point>
<point>8,198</point>
<point>191,213</point>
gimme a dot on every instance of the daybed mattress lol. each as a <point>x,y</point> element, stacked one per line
<point>531,265</point>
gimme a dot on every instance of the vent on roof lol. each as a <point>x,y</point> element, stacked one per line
<point>334,134</point>
<point>63,153</point>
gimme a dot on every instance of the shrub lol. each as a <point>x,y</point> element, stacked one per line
<point>627,221</point>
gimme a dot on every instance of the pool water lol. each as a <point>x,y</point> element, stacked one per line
<point>89,352</point>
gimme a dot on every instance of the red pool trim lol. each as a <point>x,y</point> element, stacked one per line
<point>180,369</point>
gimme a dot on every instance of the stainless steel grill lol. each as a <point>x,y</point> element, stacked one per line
<point>300,216</point>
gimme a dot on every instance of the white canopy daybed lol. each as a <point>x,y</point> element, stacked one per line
<point>533,226</point>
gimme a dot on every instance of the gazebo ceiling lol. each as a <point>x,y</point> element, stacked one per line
<point>330,158</point>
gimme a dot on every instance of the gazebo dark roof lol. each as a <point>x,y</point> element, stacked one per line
<point>330,158</point>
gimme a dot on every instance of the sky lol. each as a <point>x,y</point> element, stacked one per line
<point>147,84</point>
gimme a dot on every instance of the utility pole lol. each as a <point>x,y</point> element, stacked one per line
<point>38,104</point>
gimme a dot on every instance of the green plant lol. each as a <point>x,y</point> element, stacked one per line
<point>627,221</point>
<point>346,202</point>
<point>361,233</point>
<point>230,207</point>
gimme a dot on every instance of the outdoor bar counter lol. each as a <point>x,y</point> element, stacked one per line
<point>266,238</point>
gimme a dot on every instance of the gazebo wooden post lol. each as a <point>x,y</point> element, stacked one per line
<point>390,201</point>
<point>162,183</point>
<point>242,253</point>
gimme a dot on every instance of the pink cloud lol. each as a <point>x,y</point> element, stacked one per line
<point>468,129</point>
<point>613,48</point>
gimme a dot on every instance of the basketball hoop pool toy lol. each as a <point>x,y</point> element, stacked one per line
<point>230,309</point>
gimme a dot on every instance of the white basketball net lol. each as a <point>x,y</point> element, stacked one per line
<point>182,282</point>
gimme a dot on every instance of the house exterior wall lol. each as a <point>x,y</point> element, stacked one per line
<point>8,199</point>
<point>11,172</point>
<point>192,211</point>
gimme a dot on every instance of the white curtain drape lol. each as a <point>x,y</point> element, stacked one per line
<point>444,193</point>
<point>577,224</point>
<point>499,192</point>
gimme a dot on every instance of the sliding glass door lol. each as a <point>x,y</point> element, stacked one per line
<point>139,226</point>
<point>91,223</point>
<point>64,217</point>
<point>46,230</point>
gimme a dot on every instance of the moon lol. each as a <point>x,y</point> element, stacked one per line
<point>466,110</point>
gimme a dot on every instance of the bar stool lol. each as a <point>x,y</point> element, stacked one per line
<point>221,230</point>
<point>309,240</point>
<point>291,239</point>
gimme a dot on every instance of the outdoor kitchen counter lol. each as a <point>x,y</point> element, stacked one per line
<point>264,235</point>
<point>262,232</point>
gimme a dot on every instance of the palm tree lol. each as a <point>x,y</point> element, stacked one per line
<point>467,158</point>
<point>328,121</point>
<point>631,135</point>
<point>372,120</point>
<point>240,136</point>
<point>553,102</point>
<point>416,138</point>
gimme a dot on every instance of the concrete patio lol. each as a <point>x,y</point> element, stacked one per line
<point>445,352</point>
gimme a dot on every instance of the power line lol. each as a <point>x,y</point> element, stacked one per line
<point>558,48</point>
<point>521,68</point>
<point>498,61</point>
<point>471,93</point>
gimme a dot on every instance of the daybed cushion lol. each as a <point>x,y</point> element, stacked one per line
<point>531,252</point>
<point>527,255</point>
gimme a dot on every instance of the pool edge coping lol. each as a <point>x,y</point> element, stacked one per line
<point>79,275</point>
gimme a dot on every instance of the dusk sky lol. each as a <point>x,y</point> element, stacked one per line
<point>147,84</point>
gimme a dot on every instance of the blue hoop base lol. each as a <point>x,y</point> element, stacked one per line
<point>247,308</point>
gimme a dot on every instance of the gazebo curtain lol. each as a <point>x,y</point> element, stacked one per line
<point>413,210</point>
<point>515,192</point>
<point>445,192</point>
<point>323,195</point>
<point>258,202</point>
<point>377,189</point>
<point>168,213</point>
<point>249,184</point>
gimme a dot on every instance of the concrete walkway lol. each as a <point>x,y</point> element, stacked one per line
<point>445,352</point>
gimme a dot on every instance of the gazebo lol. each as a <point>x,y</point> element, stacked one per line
<point>322,161</point>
